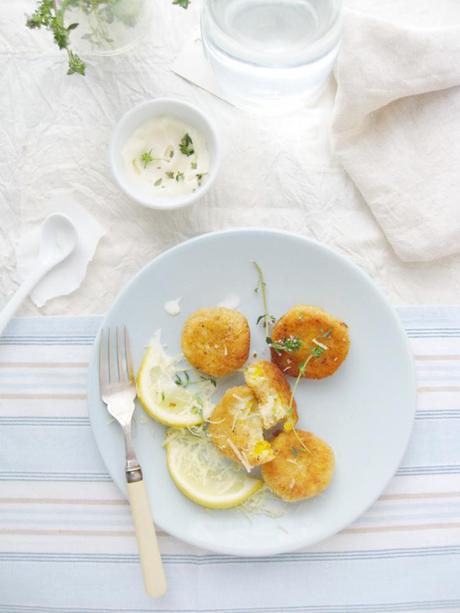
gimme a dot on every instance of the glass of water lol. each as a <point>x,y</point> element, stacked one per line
<point>271,54</point>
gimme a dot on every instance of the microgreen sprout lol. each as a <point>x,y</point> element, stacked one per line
<point>288,344</point>
<point>147,158</point>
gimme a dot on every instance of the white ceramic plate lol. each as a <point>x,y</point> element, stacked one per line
<point>365,411</point>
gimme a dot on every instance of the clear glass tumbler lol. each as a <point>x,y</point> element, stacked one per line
<point>271,54</point>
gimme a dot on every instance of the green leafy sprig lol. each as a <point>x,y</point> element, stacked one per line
<point>147,158</point>
<point>289,344</point>
<point>186,145</point>
<point>49,16</point>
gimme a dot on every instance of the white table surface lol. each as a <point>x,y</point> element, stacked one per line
<point>276,173</point>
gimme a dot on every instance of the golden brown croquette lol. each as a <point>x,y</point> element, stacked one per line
<point>216,340</point>
<point>235,427</point>
<point>302,468</point>
<point>318,334</point>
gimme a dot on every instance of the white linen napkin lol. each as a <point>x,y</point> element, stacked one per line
<point>67,276</point>
<point>396,130</point>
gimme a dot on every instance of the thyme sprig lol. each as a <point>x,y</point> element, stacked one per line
<point>47,15</point>
<point>315,352</point>
<point>50,16</point>
<point>261,287</point>
<point>288,344</point>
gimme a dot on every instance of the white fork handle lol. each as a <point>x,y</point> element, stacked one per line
<point>149,553</point>
<point>21,293</point>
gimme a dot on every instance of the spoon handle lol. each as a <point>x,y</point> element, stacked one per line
<point>22,292</point>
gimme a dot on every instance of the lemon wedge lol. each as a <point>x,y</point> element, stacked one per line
<point>167,395</point>
<point>203,474</point>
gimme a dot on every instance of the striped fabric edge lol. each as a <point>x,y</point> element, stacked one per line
<point>210,558</point>
<point>418,606</point>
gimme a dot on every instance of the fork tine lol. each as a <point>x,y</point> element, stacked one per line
<point>129,359</point>
<point>120,355</point>
<point>112,368</point>
<point>102,361</point>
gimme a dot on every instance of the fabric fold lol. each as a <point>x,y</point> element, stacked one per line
<point>396,130</point>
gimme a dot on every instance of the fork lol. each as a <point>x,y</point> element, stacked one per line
<point>118,391</point>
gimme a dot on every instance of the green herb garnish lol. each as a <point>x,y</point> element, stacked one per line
<point>179,176</point>
<point>210,379</point>
<point>194,165</point>
<point>262,318</point>
<point>170,174</point>
<point>158,182</point>
<point>315,352</point>
<point>294,452</point>
<point>289,344</point>
<point>182,382</point>
<point>147,158</point>
<point>200,176</point>
<point>47,15</point>
<point>186,145</point>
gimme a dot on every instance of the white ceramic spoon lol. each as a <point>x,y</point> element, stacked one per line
<point>58,240</point>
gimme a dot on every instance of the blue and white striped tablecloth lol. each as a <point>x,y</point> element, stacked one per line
<point>66,538</point>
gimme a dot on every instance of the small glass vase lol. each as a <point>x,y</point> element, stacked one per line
<point>106,27</point>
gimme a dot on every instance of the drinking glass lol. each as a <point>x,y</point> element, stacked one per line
<point>271,54</point>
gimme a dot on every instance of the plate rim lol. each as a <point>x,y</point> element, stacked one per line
<point>321,536</point>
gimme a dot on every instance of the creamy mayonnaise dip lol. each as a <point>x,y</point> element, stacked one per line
<point>166,157</point>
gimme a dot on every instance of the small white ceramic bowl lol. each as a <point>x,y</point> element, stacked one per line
<point>148,110</point>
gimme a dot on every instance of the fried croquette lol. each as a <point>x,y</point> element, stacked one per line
<point>308,335</point>
<point>235,427</point>
<point>302,468</point>
<point>216,340</point>
<point>273,394</point>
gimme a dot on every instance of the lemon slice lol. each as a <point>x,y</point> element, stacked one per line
<point>180,405</point>
<point>203,474</point>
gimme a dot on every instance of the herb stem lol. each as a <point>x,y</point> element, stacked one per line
<point>302,368</point>
<point>262,285</point>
